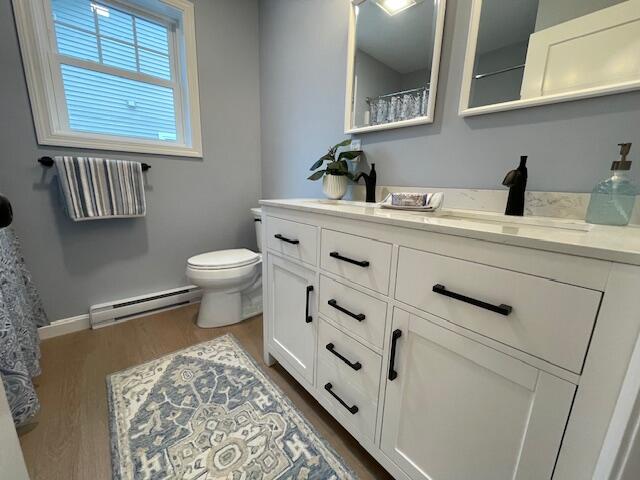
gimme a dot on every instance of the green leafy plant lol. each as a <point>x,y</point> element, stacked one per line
<point>337,162</point>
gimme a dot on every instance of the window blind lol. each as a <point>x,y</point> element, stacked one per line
<point>116,71</point>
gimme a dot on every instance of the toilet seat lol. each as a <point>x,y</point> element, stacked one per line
<point>224,259</point>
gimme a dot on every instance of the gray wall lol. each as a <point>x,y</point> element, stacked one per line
<point>193,205</point>
<point>303,68</point>
<point>553,12</point>
<point>374,78</point>
<point>504,86</point>
<point>416,79</point>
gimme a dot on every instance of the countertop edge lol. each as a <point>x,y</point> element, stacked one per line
<point>599,253</point>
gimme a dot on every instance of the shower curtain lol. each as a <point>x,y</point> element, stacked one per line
<point>21,314</point>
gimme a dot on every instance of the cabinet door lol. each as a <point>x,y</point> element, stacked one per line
<point>457,409</point>
<point>292,314</point>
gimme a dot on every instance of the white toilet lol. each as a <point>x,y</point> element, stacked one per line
<point>223,275</point>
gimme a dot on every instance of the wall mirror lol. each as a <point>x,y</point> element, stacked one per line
<point>522,53</point>
<point>393,60</point>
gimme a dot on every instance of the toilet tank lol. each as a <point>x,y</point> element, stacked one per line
<point>257,221</point>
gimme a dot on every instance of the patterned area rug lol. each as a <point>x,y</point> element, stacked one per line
<point>208,412</point>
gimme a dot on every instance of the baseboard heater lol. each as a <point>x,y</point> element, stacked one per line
<point>110,313</point>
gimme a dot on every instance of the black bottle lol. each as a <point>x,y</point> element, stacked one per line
<point>516,180</point>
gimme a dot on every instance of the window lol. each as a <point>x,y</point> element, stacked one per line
<point>112,75</point>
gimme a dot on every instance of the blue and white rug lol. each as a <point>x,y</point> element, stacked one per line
<point>208,412</point>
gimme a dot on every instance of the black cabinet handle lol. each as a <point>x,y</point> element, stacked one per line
<point>287,240</point>
<point>392,361</point>
<point>356,366</point>
<point>308,318</point>
<point>360,263</point>
<point>358,316</point>
<point>352,410</point>
<point>501,309</point>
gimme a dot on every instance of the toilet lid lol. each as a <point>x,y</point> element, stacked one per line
<point>238,257</point>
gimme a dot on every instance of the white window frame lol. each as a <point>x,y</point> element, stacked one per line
<point>41,62</point>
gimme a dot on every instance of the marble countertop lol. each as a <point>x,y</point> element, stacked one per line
<point>616,244</point>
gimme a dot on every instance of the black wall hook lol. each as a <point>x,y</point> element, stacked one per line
<point>46,161</point>
<point>6,213</point>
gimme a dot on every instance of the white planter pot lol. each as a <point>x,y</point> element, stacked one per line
<point>334,186</point>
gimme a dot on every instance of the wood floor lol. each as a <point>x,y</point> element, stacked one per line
<point>69,439</point>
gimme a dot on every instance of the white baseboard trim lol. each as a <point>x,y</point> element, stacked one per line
<point>65,326</point>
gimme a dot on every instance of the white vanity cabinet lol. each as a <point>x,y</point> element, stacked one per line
<point>454,353</point>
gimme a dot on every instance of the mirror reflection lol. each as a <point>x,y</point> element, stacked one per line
<point>534,48</point>
<point>394,46</point>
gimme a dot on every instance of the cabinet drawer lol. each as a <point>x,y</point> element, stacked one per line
<point>549,320</point>
<point>293,239</point>
<point>361,314</point>
<point>361,260</point>
<point>356,383</point>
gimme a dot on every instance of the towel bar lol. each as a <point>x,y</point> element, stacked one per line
<point>48,162</point>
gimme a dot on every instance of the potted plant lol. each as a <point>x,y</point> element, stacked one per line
<point>336,172</point>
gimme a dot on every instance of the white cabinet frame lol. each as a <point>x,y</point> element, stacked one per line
<point>42,72</point>
<point>440,9</point>
<point>628,11</point>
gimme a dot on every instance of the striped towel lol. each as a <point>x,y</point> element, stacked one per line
<point>96,188</point>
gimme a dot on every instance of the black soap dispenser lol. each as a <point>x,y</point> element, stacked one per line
<point>516,180</point>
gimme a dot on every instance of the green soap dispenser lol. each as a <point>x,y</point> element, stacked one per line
<point>612,199</point>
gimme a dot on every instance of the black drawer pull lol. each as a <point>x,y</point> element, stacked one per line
<point>285,239</point>
<point>358,316</point>
<point>356,366</point>
<point>308,318</point>
<point>501,309</point>
<point>397,333</point>
<point>352,410</point>
<point>360,263</point>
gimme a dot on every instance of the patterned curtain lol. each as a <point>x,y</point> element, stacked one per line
<point>21,314</point>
